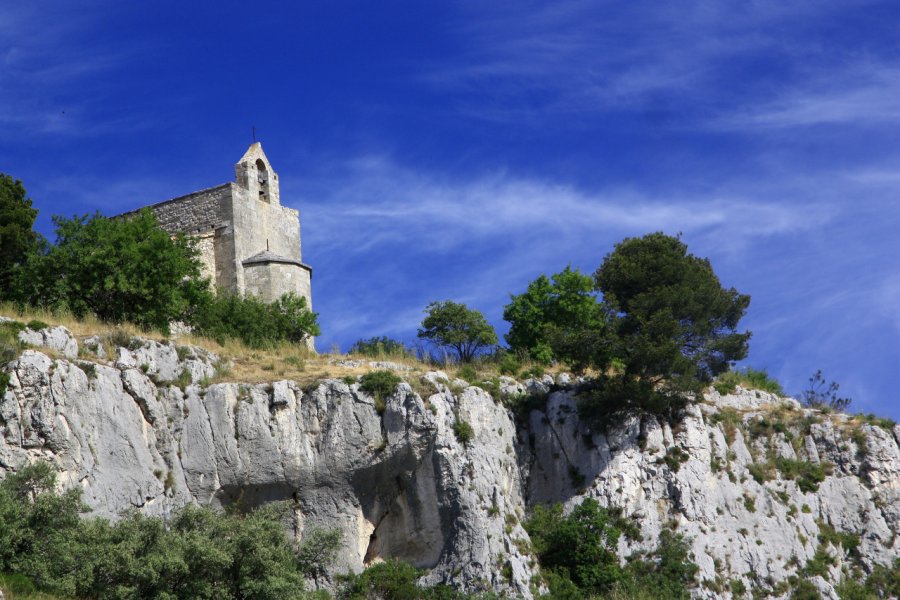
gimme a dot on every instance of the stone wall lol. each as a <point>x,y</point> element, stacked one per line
<point>195,213</point>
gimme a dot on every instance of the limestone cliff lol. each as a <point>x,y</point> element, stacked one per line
<point>750,478</point>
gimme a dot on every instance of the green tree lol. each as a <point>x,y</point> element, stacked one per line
<point>119,269</point>
<point>198,554</point>
<point>452,325</point>
<point>580,546</point>
<point>253,321</point>
<point>674,325</point>
<point>17,238</point>
<point>578,554</point>
<point>550,311</point>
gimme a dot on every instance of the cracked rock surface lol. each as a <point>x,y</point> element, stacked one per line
<point>140,431</point>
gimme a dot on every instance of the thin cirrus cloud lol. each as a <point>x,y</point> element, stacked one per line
<point>379,197</point>
<point>410,228</point>
<point>862,95</point>
<point>588,58</point>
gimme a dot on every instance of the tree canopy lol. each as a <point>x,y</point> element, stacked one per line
<point>452,325</point>
<point>551,310</point>
<point>198,553</point>
<point>660,331</point>
<point>125,269</point>
<point>675,323</point>
<point>17,239</point>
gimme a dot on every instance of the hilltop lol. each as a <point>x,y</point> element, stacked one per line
<point>443,473</point>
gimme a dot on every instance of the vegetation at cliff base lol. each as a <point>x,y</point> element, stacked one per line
<point>198,553</point>
<point>578,556</point>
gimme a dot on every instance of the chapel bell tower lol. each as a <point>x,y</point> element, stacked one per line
<point>255,174</point>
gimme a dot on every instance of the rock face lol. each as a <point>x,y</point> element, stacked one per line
<point>723,478</point>
<point>398,484</point>
<point>750,478</point>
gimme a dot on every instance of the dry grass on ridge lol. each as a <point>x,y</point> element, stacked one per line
<point>252,365</point>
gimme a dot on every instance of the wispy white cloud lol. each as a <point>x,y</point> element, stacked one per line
<point>529,64</point>
<point>860,95</point>
<point>380,198</point>
<point>377,223</point>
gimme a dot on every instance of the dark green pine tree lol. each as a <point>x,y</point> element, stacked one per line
<point>17,237</point>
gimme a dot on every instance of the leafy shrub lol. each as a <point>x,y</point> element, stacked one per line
<point>674,457</point>
<point>522,405</point>
<point>199,553</point>
<point>761,472</point>
<point>36,325</point>
<point>885,581</point>
<point>380,384</point>
<point>509,364</point>
<point>580,547</point>
<point>749,503</point>
<point>578,559</point>
<point>877,421</point>
<point>535,372</point>
<point>468,373</point>
<point>254,322</point>
<point>378,347</point>
<point>10,346</point>
<point>464,432</point>
<point>392,580</point>
<point>849,542</point>
<point>807,474</point>
<point>731,421</point>
<point>125,269</point>
<point>317,551</point>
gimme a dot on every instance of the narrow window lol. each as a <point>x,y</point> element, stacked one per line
<point>262,176</point>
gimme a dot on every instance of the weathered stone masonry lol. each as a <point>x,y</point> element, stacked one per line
<point>249,243</point>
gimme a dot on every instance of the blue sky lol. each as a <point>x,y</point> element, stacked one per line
<point>458,150</point>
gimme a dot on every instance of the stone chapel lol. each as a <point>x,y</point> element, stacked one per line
<point>249,243</point>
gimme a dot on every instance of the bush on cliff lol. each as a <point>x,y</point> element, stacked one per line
<point>381,347</point>
<point>118,269</point>
<point>395,580</point>
<point>254,322</point>
<point>549,309</point>
<point>578,554</point>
